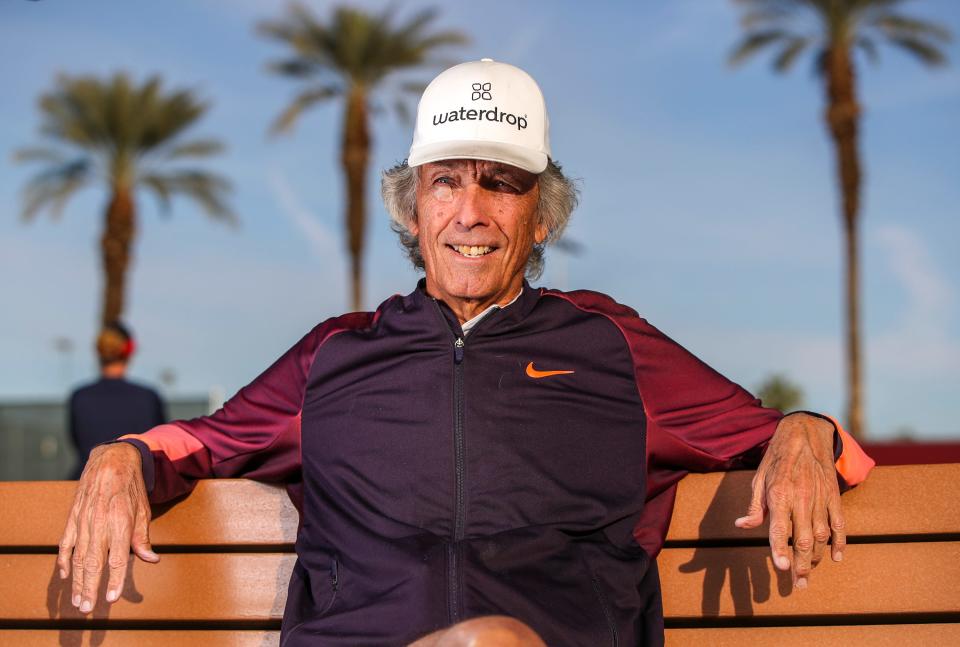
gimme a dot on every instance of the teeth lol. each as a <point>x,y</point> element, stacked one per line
<point>473,250</point>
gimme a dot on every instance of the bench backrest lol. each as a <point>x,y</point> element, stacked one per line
<point>227,552</point>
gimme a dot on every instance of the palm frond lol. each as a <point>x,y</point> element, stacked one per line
<point>298,68</point>
<point>904,26</point>
<point>71,112</point>
<point>39,154</point>
<point>195,148</point>
<point>53,187</point>
<point>764,17</point>
<point>168,118</point>
<point>439,40</point>
<point>921,49</point>
<point>570,246</point>
<point>160,190</point>
<point>869,48</point>
<point>207,189</point>
<point>402,109</point>
<point>303,101</point>
<point>754,42</point>
<point>788,55</point>
<point>412,29</point>
<point>413,87</point>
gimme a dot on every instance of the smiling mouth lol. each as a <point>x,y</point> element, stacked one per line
<point>472,251</point>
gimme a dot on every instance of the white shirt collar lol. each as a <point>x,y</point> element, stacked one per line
<point>468,325</point>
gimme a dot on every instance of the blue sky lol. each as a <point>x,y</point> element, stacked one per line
<point>708,198</point>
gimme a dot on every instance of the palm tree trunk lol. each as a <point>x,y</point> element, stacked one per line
<point>118,234</point>
<point>355,157</point>
<point>842,118</point>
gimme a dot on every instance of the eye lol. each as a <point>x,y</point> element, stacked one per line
<point>444,179</point>
<point>504,185</point>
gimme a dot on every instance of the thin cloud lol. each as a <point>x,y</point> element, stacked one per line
<point>920,343</point>
<point>319,238</point>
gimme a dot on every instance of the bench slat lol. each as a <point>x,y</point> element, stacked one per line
<point>220,512</point>
<point>893,501</point>
<point>921,577</point>
<point>238,512</point>
<point>125,637</point>
<point>903,578</point>
<point>856,636</point>
<point>182,587</point>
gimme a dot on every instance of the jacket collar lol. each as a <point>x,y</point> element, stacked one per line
<point>508,316</point>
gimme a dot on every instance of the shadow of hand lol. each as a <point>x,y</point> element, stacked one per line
<point>60,607</point>
<point>748,570</point>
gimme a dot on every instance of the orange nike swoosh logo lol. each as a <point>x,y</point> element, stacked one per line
<point>534,373</point>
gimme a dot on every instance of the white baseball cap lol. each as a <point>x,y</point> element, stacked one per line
<point>482,110</point>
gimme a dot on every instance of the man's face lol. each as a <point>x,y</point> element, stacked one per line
<point>477,226</point>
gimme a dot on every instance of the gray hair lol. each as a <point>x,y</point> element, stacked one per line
<point>558,199</point>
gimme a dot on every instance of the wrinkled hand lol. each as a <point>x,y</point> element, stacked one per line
<point>796,484</point>
<point>110,515</point>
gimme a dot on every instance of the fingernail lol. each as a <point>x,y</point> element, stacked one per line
<point>783,563</point>
<point>76,600</point>
<point>801,582</point>
<point>838,557</point>
<point>112,596</point>
<point>63,574</point>
<point>86,606</point>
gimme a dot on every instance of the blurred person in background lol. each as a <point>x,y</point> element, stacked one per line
<point>112,405</point>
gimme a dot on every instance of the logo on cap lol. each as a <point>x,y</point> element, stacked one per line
<point>481,91</point>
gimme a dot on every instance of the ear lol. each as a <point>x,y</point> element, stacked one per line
<point>541,233</point>
<point>413,227</point>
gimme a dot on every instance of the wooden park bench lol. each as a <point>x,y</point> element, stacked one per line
<point>227,552</point>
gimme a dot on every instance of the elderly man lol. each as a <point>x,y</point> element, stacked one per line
<point>478,454</point>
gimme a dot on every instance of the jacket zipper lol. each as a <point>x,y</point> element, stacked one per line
<point>459,502</point>
<point>459,512</point>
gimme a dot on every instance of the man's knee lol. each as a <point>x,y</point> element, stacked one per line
<point>487,631</point>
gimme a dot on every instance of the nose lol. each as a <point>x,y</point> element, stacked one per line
<point>472,208</point>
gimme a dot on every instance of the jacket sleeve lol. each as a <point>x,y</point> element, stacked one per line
<point>699,421</point>
<point>256,434</point>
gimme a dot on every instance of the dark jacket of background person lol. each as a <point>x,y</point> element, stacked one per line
<point>109,408</point>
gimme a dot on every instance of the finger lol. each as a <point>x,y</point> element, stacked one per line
<point>140,542</point>
<point>802,537</point>
<point>838,528</point>
<point>779,529</point>
<point>83,542</point>
<point>67,542</point>
<point>93,561</point>
<point>117,560</point>
<point>757,508</point>
<point>821,525</point>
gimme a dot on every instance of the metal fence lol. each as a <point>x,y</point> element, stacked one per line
<point>34,444</point>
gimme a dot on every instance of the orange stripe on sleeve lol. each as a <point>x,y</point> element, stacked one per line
<point>171,440</point>
<point>853,464</point>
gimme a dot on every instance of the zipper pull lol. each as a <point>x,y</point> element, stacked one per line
<point>458,350</point>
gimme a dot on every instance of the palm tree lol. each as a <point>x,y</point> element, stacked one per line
<point>778,392</point>
<point>348,57</point>
<point>833,29</point>
<point>125,136</point>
